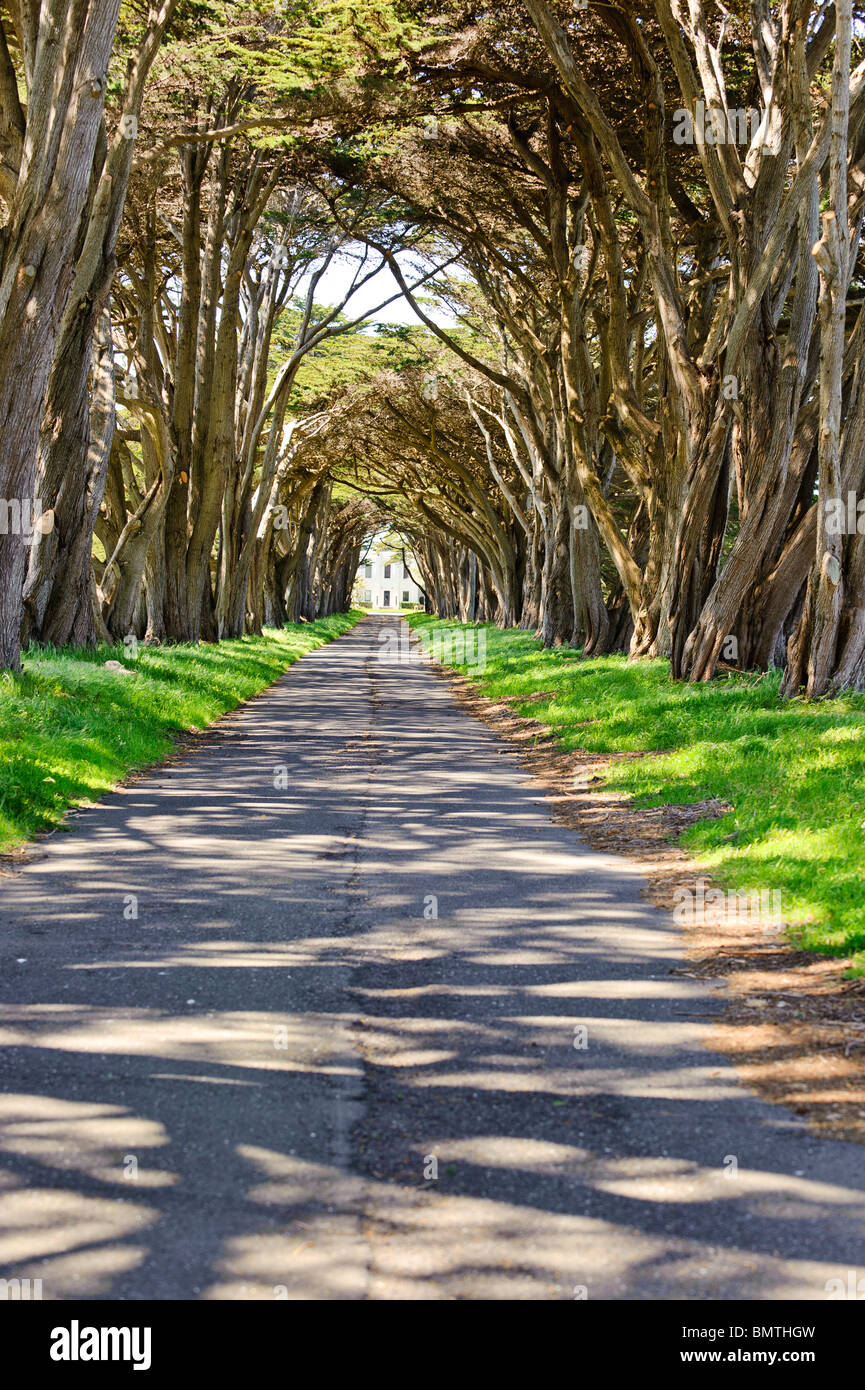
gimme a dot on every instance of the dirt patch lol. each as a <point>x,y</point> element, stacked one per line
<point>793,1027</point>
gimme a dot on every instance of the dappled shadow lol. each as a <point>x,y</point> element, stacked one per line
<point>69,728</point>
<point>238,1092</point>
<point>793,771</point>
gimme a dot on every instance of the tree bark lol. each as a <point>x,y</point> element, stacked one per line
<point>66,76</point>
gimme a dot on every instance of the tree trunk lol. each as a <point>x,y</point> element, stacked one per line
<point>65,99</point>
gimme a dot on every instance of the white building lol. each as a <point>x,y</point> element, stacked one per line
<point>383,582</point>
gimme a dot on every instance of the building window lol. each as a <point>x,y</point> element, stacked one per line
<point>386,598</point>
<point>405,597</point>
<point>367,596</point>
<point>387,571</point>
<point>368,571</point>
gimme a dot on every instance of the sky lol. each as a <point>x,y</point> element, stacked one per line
<point>337,278</point>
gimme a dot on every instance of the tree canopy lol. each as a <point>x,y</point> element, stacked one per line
<point>624,407</point>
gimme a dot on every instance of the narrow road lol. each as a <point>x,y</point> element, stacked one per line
<point>295,1016</point>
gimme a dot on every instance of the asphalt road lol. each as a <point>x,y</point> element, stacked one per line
<point>286,1076</point>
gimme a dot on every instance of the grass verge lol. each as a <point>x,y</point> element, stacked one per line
<point>794,773</point>
<point>70,729</point>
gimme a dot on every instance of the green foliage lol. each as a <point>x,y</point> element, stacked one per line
<point>70,729</point>
<point>279,51</point>
<point>794,773</point>
<point>349,359</point>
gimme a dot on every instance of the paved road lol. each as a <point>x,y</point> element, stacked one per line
<point>245,1090</point>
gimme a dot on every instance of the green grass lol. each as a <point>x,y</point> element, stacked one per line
<point>793,772</point>
<point>69,729</point>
